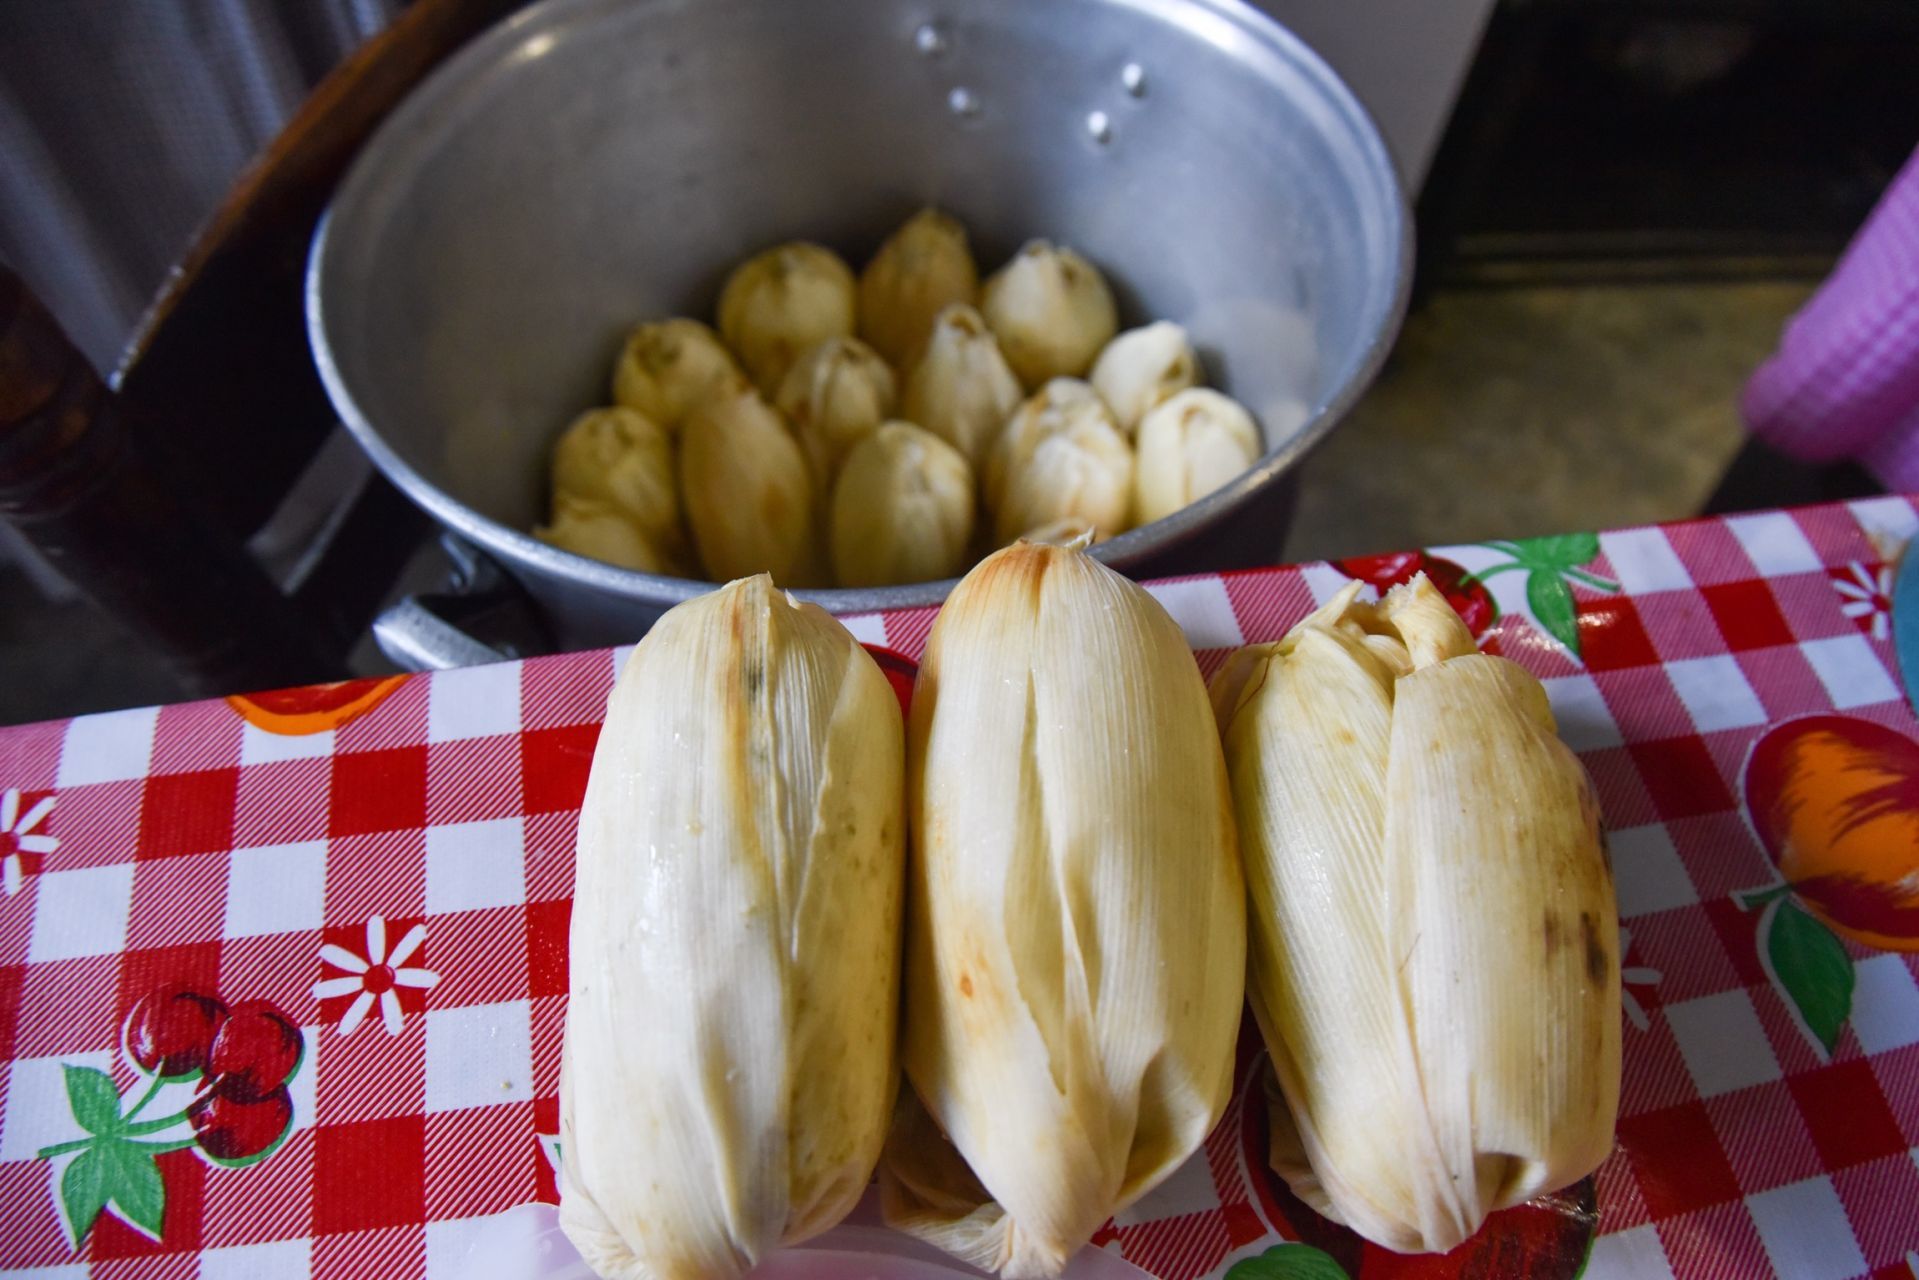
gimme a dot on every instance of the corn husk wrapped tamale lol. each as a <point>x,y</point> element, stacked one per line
<point>780,304</point>
<point>1141,368</point>
<point>1060,455</point>
<point>1052,312</point>
<point>749,497</point>
<point>729,1067</point>
<point>598,531</point>
<point>1187,446</point>
<point>924,267</point>
<point>834,397</point>
<point>902,509</point>
<point>1075,914</point>
<point>1434,946</point>
<point>667,367</point>
<point>617,461</point>
<point>962,390</point>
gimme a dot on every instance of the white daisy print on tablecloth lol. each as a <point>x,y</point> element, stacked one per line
<point>1636,976</point>
<point>1865,593</point>
<point>18,837</point>
<point>375,977</point>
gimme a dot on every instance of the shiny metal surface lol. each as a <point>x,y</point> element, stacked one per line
<point>594,162</point>
<point>414,638</point>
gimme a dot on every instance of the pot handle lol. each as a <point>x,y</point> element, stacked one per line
<point>436,631</point>
<point>415,638</point>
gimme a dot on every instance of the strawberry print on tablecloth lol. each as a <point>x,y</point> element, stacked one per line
<point>391,877</point>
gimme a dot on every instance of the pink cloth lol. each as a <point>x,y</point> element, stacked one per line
<point>1845,380</point>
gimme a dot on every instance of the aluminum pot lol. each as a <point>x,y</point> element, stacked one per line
<point>590,163</point>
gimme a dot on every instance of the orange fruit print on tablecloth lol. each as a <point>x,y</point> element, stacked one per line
<point>1835,801</point>
<point>314,708</point>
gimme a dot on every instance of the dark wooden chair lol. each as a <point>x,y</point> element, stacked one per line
<point>144,492</point>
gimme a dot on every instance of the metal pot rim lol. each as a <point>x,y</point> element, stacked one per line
<point>521,549</point>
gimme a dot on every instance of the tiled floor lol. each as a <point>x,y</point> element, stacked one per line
<point>1511,413</point>
<point>1501,414</point>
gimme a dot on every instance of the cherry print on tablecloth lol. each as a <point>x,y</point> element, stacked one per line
<point>233,1126</point>
<point>1470,600</point>
<point>1548,1238</point>
<point>256,1049</point>
<point>1552,566</point>
<point>170,1031</point>
<point>225,1070</point>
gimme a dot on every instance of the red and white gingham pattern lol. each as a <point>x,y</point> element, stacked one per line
<point>195,848</point>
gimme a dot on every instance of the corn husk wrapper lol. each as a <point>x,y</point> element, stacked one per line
<point>902,509</point>
<point>923,267</point>
<point>748,493</point>
<point>962,390</point>
<point>780,304</point>
<point>621,459</point>
<point>597,531</point>
<point>1189,446</point>
<point>729,1070</point>
<point>1051,311</point>
<point>1075,914</point>
<point>1060,456</point>
<point>1142,367</point>
<point>667,367</point>
<point>1435,945</point>
<point>833,397</point>
<point>1076,532</point>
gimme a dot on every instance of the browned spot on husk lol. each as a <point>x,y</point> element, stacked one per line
<point>1597,957</point>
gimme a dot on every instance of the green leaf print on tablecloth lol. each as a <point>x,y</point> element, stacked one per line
<point>1551,565</point>
<point>93,1099</point>
<point>1288,1262</point>
<point>1810,967</point>
<point>234,1107</point>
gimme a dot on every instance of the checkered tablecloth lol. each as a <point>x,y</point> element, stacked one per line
<point>414,864</point>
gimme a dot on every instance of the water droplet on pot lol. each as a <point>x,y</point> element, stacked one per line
<point>962,101</point>
<point>929,40</point>
<point>1099,127</point>
<point>1133,76</point>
